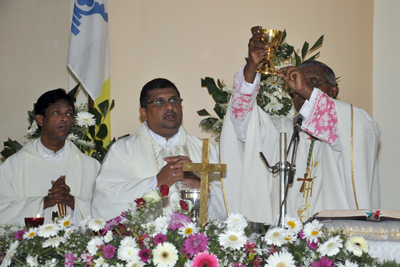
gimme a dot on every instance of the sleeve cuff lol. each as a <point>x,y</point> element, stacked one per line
<point>308,105</point>
<point>248,88</point>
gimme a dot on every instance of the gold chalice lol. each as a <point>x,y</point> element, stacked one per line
<point>273,40</point>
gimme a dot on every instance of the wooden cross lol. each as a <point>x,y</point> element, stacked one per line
<point>205,169</point>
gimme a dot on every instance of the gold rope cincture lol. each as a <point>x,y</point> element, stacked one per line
<point>79,208</point>
<point>222,181</point>
<point>352,158</point>
<point>40,204</point>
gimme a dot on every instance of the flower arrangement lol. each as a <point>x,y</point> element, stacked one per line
<point>87,133</point>
<point>274,97</point>
<point>137,239</point>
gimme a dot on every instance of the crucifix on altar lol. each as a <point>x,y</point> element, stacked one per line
<point>205,169</point>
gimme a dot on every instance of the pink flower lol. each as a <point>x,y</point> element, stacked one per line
<point>257,262</point>
<point>177,220</point>
<point>109,251</point>
<point>69,260</point>
<point>194,244</point>
<point>237,265</point>
<point>324,262</point>
<point>250,247</point>
<point>301,234</point>
<point>205,259</point>
<point>145,255</point>
<point>272,250</point>
<point>86,257</point>
<point>160,238</point>
<point>312,244</point>
<point>111,224</point>
<point>18,235</point>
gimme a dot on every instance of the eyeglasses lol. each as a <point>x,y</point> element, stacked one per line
<point>160,102</point>
<point>313,81</point>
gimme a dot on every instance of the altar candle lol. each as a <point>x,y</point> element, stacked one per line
<point>34,221</point>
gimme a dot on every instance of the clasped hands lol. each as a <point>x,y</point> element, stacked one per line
<point>59,193</point>
<point>173,172</point>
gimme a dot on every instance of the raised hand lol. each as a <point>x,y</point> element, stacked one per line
<point>257,50</point>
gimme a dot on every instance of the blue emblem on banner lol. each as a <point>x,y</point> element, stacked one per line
<point>86,8</point>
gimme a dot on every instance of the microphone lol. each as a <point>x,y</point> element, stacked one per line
<point>297,121</point>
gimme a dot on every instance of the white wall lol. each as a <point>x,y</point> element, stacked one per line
<point>386,95</point>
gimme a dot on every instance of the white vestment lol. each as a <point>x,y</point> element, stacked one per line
<point>130,168</point>
<point>25,179</point>
<point>254,191</point>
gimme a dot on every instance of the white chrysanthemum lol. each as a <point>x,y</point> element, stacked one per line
<point>227,89</point>
<point>165,254</point>
<point>274,105</point>
<point>32,261</point>
<point>331,246</point>
<point>279,93</point>
<point>231,238</point>
<point>33,128</point>
<point>348,263</point>
<point>99,261</point>
<point>135,263</point>
<point>93,243</point>
<point>275,81</point>
<point>10,252</point>
<point>68,231</point>
<point>161,224</point>
<point>274,236</point>
<point>65,222</point>
<point>280,259</point>
<point>108,237</point>
<point>152,196</point>
<point>84,118</point>
<point>51,263</point>
<point>289,236</point>
<point>72,137</point>
<point>312,231</point>
<point>30,234</point>
<point>86,143</point>
<point>236,221</point>
<point>83,223</point>
<point>128,253</point>
<point>128,241</point>
<point>292,112</point>
<point>53,242</point>
<point>357,245</point>
<point>48,230</point>
<point>187,229</point>
<point>96,224</point>
<point>293,224</point>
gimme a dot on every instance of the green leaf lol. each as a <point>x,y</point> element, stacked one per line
<point>32,114</point>
<point>220,97</point>
<point>103,131</point>
<point>10,147</point>
<point>304,51</point>
<point>73,91</point>
<point>96,114</point>
<point>220,84</point>
<point>298,60</point>
<point>219,111</point>
<point>210,84</point>
<point>283,37</point>
<point>317,43</point>
<point>314,56</point>
<point>203,112</point>
<point>103,106</point>
<point>112,104</point>
<point>92,132</point>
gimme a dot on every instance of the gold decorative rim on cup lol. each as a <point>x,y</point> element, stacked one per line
<point>273,40</point>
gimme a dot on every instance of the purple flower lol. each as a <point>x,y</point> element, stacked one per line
<point>145,255</point>
<point>86,257</point>
<point>111,224</point>
<point>69,260</point>
<point>18,235</point>
<point>109,251</point>
<point>301,234</point>
<point>177,220</point>
<point>323,262</point>
<point>237,265</point>
<point>194,244</point>
<point>312,244</point>
<point>160,238</point>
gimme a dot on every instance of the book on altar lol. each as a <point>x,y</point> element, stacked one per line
<point>363,214</point>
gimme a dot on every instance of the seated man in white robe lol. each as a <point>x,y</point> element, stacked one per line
<point>152,157</point>
<point>336,157</point>
<point>49,174</point>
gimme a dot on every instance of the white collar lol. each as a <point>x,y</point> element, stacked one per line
<point>51,156</point>
<point>162,141</point>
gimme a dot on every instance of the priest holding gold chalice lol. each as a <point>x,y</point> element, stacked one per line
<point>336,167</point>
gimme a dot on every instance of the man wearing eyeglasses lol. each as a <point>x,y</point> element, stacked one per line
<point>336,165</point>
<point>153,157</point>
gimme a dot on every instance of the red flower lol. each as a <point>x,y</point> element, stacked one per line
<point>184,206</point>
<point>164,189</point>
<point>140,202</point>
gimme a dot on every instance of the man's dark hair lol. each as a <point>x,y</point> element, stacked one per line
<point>51,97</point>
<point>154,84</point>
<point>328,72</point>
